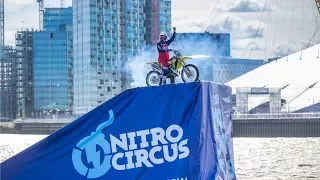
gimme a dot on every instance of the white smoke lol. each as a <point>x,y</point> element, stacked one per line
<point>137,66</point>
<point>203,52</point>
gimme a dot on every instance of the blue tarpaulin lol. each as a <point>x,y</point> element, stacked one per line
<point>181,131</point>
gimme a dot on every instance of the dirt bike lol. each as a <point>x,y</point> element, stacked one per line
<point>177,66</point>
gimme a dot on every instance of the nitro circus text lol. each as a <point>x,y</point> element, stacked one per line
<point>130,149</point>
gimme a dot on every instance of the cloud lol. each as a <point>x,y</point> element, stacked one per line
<point>238,28</point>
<point>245,6</point>
<point>284,49</point>
<point>253,45</point>
<point>255,32</point>
<point>24,14</point>
<point>14,3</point>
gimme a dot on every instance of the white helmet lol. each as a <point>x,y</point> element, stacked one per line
<point>163,34</point>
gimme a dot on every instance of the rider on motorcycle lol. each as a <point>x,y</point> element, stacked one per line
<point>163,57</point>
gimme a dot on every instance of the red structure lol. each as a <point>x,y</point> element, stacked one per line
<point>155,22</point>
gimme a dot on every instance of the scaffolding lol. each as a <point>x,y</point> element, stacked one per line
<point>8,84</point>
<point>245,106</point>
<point>24,69</point>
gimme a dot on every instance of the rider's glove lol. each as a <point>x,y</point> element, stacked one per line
<point>174,28</point>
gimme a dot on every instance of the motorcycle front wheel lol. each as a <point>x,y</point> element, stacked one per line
<point>154,78</point>
<point>190,73</point>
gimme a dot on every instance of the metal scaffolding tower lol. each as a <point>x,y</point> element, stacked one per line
<point>1,27</point>
<point>41,10</point>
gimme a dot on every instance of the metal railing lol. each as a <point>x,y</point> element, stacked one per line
<point>44,121</point>
<point>234,117</point>
<point>277,116</point>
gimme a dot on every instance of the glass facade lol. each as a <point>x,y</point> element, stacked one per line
<point>50,70</point>
<point>8,84</point>
<point>106,34</point>
<point>133,26</point>
<point>52,62</point>
<point>158,19</point>
<point>165,16</point>
<point>227,69</point>
<point>56,18</point>
<point>133,31</point>
<point>25,88</point>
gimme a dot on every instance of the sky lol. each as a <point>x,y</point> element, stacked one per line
<point>285,26</point>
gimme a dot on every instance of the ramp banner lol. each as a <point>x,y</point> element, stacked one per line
<point>181,131</point>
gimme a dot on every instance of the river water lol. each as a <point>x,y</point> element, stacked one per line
<point>255,158</point>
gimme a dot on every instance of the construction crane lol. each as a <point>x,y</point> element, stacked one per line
<point>41,10</point>
<point>318,5</point>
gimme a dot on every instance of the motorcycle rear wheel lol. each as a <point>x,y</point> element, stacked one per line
<point>154,78</point>
<point>192,73</point>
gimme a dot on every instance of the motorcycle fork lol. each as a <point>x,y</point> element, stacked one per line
<point>187,70</point>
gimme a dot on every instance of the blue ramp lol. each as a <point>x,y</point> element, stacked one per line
<point>180,131</point>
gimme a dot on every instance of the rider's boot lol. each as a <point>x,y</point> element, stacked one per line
<point>173,72</point>
<point>164,78</point>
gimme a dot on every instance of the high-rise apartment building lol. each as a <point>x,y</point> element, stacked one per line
<point>106,34</point>
<point>133,30</point>
<point>24,73</point>
<point>8,84</point>
<point>52,62</point>
<point>158,19</point>
<point>55,19</point>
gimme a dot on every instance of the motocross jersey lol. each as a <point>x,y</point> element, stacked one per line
<point>162,47</point>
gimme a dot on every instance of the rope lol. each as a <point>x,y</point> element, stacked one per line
<point>302,29</point>
<point>254,40</point>
<point>317,16</point>
<point>285,5</point>
<point>228,16</point>
<point>309,87</point>
<point>315,31</point>
<point>214,7</point>
<point>266,52</point>
<point>275,29</point>
<point>312,37</point>
<point>258,27</point>
<point>302,25</point>
<point>290,28</point>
